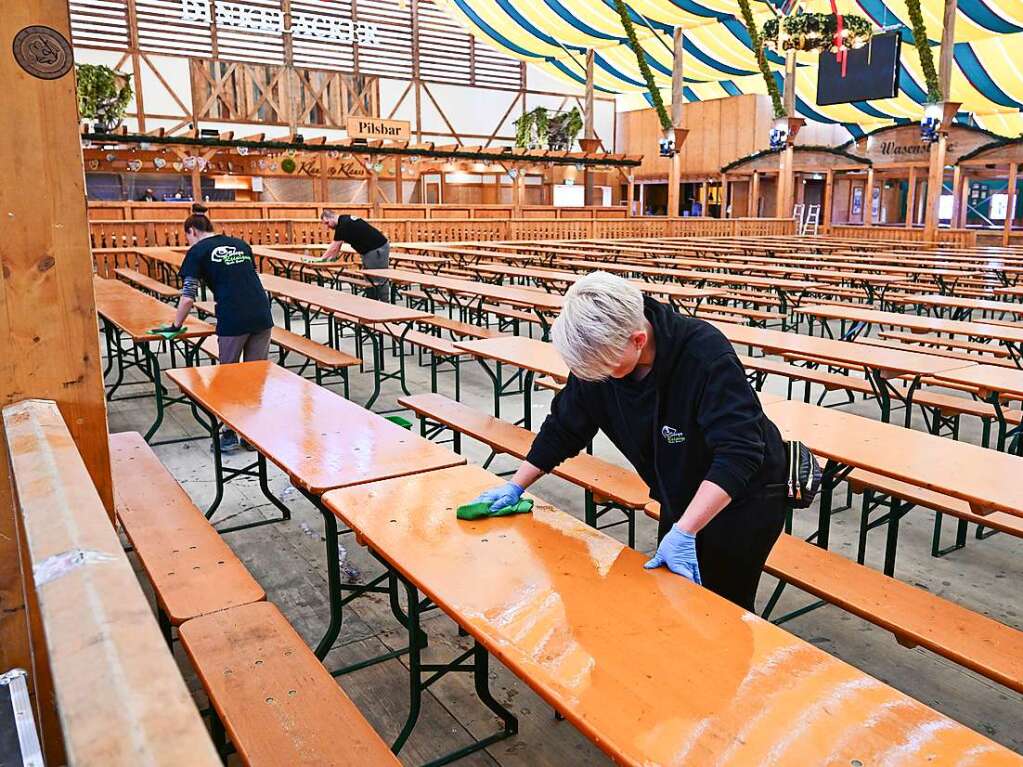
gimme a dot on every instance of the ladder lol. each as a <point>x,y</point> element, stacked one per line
<point>812,221</point>
<point>797,213</point>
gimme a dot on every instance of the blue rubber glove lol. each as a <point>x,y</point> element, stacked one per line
<point>506,495</point>
<point>677,551</point>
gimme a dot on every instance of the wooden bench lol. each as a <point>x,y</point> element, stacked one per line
<point>147,284</point>
<point>192,569</point>
<point>606,485</point>
<point>915,616</point>
<point>458,329</point>
<point>941,341</point>
<point>120,696</point>
<point>755,316</point>
<point>271,695</point>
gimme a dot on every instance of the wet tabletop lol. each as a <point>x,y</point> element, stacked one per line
<point>136,313</point>
<point>653,669</point>
<point>526,353</point>
<point>365,310</point>
<point>320,439</point>
<point>987,479</point>
<point>891,361</point>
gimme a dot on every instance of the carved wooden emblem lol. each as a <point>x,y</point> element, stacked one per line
<point>43,52</point>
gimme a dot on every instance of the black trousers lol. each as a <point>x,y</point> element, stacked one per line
<point>734,546</point>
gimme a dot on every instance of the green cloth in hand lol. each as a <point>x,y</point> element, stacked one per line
<point>481,510</point>
<point>168,332</point>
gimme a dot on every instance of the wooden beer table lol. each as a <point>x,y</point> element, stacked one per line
<point>319,439</point>
<point>528,355</point>
<point>367,316</point>
<point>995,385</point>
<point>128,315</point>
<point>1011,337</point>
<point>880,364</point>
<point>652,668</point>
<point>985,479</point>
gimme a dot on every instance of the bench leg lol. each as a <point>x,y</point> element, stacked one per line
<point>961,532</point>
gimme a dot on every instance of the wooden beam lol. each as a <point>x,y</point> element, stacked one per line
<point>136,67</point>
<point>964,200</point>
<point>677,86</point>
<point>935,182</point>
<point>786,159</point>
<point>753,206</point>
<point>868,215</point>
<point>829,190</point>
<point>588,127</point>
<point>945,57</point>
<point>1011,206</point>
<point>47,307</point>
<point>957,191</point>
<point>911,198</point>
<point>399,182</point>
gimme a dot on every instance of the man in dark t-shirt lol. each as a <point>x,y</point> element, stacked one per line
<point>244,321</point>
<point>368,241</point>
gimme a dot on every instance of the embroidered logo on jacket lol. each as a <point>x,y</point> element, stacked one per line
<point>672,436</point>
<point>228,255</point>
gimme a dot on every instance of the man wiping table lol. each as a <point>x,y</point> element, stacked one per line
<point>670,393</point>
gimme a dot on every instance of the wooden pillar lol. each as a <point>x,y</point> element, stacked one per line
<point>323,181</point>
<point>136,65</point>
<point>753,206</point>
<point>786,175</point>
<point>588,129</point>
<point>196,184</point>
<point>47,307</point>
<point>642,199</point>
<point>868,204</point>
<point>829,190</point>
<point>632,193</point>
<point>964,201</point>
<point>703,198</point>
<point>372,188</point>
<point>725,196</point>
<point>677,85</point>
<point>935,182</point>
<point>1011,207</point>
<point>936,170</point>
<point>957,193</point>
<point>911,198</point>
<point>399,182</point>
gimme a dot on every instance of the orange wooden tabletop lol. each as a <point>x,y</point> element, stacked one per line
<point>653,669</point>
<point>364,310</point>
<point>533,299</point>
<point>526,353</point>
<point>169,256</point>
<point>318,438</point>
<point>729,278</point>
<point>916,322</point>
<point>958,302</point>
<point>136,313</point>
<point>987,379</point>
<point>891,361</point>
<point>986,479</point>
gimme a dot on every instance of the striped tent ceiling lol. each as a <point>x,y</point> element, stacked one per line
<point>719,61</point>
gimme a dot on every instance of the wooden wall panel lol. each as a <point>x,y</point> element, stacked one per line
<point>48,326</point>
<point>720,131</point>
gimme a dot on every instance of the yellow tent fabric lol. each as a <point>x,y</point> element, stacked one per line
<point>719,61</point>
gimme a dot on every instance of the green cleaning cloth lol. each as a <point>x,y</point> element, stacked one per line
<point>402,422</point>
<point>167,333</point>
<point>481,510</point>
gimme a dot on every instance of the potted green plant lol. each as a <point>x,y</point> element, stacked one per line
<point>531,128</point>
<point>103,96</point>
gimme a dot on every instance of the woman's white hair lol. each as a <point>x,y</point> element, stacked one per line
<point>600,313</point>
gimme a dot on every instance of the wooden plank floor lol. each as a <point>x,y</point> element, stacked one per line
<point>288,560</point>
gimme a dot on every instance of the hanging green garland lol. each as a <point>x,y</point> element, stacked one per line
<point>815,32</point>
<point>923,47</point>
<point>758,51</point>
<point>644,67</point>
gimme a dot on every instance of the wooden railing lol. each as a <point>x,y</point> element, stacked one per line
<point>177,211</point>
<point>138,234</point>
<point>963,238</point>
<point>118,692</point>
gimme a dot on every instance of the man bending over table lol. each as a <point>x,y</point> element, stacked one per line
<point>368,241</point>
<point>670,393</point>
